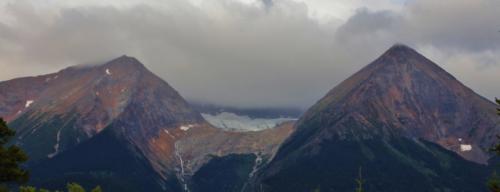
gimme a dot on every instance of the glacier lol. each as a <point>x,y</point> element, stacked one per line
<point>242,123</point>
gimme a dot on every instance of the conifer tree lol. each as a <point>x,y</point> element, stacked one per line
<point>494,181</point>
<point>27,189</point>
<point>360,181</point>
<point>75,187</point>
<point>97,189</point>
<point>10,159</point>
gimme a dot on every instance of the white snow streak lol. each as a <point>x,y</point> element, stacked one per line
<point>186,127</point>
<point>182,173</point>
<point>28,103</point>
<point>108,72</point>
<point>465,147</point>
<point>256,165</point>
<point>168,133</point>
<point>56,146</point>
<point>255,168</point>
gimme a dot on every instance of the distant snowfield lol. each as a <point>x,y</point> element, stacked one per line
<point>234,122</point>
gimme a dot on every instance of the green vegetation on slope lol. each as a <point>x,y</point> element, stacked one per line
<point>399,164</point>
<point>71,187</point>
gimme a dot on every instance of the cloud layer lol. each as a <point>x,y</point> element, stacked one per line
<point>285,53</point>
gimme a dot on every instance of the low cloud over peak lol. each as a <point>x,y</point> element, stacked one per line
<point>252,53</point>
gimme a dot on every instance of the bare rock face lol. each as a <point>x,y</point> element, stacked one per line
<point>19,94</point>
<point>84,118</point>
<point>68,107</point>
<point>404,93</point>
<point>396,118</point>
<point>185,149</point>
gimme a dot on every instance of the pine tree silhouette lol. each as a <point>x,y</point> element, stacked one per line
<point>10,159</point>
<point>494,181</point>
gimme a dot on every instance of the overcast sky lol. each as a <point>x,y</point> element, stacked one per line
<point>251,53</point>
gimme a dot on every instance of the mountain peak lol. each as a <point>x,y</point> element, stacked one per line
<point>400,54</point>
<point>121,90</point>
<point>400,48</point>
<point>404,93</point>
<point>125,61</point>
<point>390,113</point>
<point>126,58</point>
<point>402,59</point>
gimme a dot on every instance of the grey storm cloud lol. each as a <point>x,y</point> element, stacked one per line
<point>269,53</point>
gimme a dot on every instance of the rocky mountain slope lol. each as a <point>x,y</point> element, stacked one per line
<point>395,119</point>
<point>77,103</point>
<point>117,125</point>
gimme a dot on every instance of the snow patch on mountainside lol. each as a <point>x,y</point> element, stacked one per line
<point>186,127</point>
<point>465,147</point>
<point>234,122</point>
<point>28,103</point>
